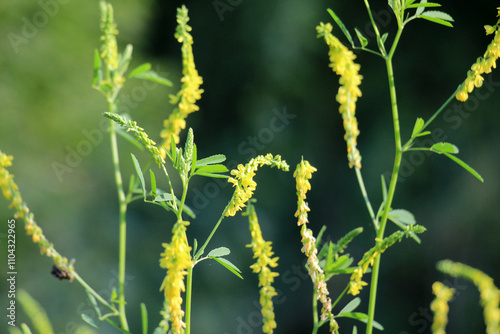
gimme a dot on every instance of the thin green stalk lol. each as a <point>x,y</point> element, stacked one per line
<point>202,248</point>
<point>391,190</point>
<point>365,197</point>
<point>315,313</point>
<point>92,291</point>
<point>189,285</point>
<point>122,224</point>
<point>375,28</point>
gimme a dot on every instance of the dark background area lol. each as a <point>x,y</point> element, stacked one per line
<point>258,59</point>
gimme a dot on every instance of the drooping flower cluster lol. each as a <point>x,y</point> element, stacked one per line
<point>342,63</point>
<point>244,183</point>
<point>11,192</point>
<point>440,307</point>
<point>263,252</point>
<point>176,259</point>
<point>489,293</point>
<point>371,255</point>
<point>483,65</point>
<point>190,91</point>
<point>303,174</point>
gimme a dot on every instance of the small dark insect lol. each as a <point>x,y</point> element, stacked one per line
<point>59,273</point>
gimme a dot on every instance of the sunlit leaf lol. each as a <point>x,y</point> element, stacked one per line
<point>402,216</point>
<point>444,148</point>
<point>228,265</point>
<point>214,159</point>
<point>419,123</point>
<point>140,69</point>
<point>341,26</point>
<point>139,173</point>
<point>465,166</point>
<point>362,39</point>
<point>218,252</point>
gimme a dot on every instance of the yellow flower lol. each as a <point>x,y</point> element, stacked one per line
<point>262,251</point>
<point>11,192</point>
<point>482,65</point>
<point>302,175</point>
<point>244,183</point>
<point>176,259</point>
<point>342,63</point>
<point>440,307</point>
<point>190,91</point>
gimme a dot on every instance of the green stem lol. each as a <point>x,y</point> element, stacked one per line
<point>189,284</point>
<point>92,291</point>
<point>392,187</point>
<point>202,248</point>
<point>365,197</point>
<point>315,313</point>
<point>122,224</point>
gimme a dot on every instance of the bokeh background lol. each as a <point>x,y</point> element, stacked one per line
<point>258,59</point>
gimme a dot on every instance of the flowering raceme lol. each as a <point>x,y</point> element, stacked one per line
<point>244,183</point>
<point>342,63</point>
<point>483,65</point>
<point>262,251</point>
<point>191,82</point>
<point>440,306</point>
<point>176,259</point>
<point>11,192</point>
<point>303,174</point>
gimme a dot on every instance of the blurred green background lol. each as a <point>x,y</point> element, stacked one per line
<point>258,59</point>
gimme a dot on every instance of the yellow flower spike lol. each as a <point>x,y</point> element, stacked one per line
<point>10,190</point>
<point>263,253</point>
<point>440,307</point>
<point>190,91</point>
<point>489,293</point>
<point>244,183</point>
<point>109,48</point>
<point>176,259</point>
<point>302,175</point>
<point>342,63</point>
<point>482,65</point>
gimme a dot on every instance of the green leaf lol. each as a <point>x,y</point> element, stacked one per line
<point>425,133</point>
<point>228,265</point>
<point>89,320</point>
<point>320,236</point>
<point>424,5</point>
<point>437,17</point>
<point>195,246</point>
<point>419,123</point>
<point>119,327</point>
<point>340,264</point>
<point>384,188</point>
<point>97,70</point>
<point>93,301</point>
<point>164,197</point>
<point>25,328</point>
<point>153,76</point>
<point>211,169</point>
<point>140,69</point>
<point>144,316</point>
<point>384,37</point>
<point>220,176</point>
<point>214,159</point>
<point>441,148</point>
<point>158,330</point>
<point>362,39</point>
<point>153,182</point>
<point>420,10</point>
<point>194,158</point>
<point>341,26</point>
<point>361,317</point>
<point>351,306</point>
<point>139,173</point>
<point>465,166</point>
<point>354,330</point>
<point>218,252</point>
<point>402,216</point>
<point>188,210</point>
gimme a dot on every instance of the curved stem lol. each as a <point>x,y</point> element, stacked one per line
<point>122,224</point>
<point>92,291</point>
